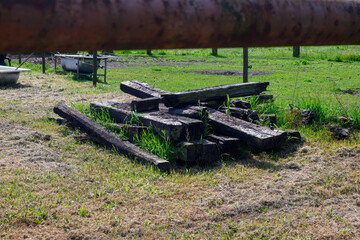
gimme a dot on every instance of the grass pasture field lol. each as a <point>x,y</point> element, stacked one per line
<point>55,185</point>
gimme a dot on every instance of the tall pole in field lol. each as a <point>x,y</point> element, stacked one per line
<point>43,62</point>
<point>296,52</point>
<point>214,52</point>
<point>245,65</point>
<point>95,68</point>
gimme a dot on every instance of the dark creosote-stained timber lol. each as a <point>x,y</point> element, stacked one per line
<point>244,114</point>
<point>225,144</point>
<point>140,89</point>
<point>101,135</point>
<point>177,128</point>
<point>200,152</point>
<point>63,25</point>
<point>131,129</point>
<point>145,105</point>
<point>256,136</point>
<point>240,104</point>
<point>195,112</point>
<point>213,93</point>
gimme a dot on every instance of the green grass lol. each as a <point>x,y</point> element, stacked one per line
<point>89,192</point>
<point>157,144</point>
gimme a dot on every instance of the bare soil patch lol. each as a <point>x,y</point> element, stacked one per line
<point>354,92</point>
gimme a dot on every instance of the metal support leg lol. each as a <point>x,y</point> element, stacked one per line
<point>55,63</point>
<point>215,52</point>
<point>95,63</point>
<point>78,68</point>
<point>246,65</point>
<point>296,52</point>
<point>43,62</point>
<point>105,70</point>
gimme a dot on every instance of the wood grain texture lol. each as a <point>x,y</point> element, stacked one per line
<point>256,136</point>
<point>177,128</point>
<point>141,90</point>
<point>101,135</point>
<point>178,99</point>
<point>145,105</point>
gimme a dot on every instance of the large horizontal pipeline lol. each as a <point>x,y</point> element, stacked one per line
<point>70,25</point>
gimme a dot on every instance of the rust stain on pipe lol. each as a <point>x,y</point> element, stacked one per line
<point>71,25</point>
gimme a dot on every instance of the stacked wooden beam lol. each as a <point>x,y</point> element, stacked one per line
<point>232,125</point>
<point>184,121</point>
<point>100,135</point>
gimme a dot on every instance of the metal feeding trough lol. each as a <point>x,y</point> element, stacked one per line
<point>10,75</point>
<point>80,64</point>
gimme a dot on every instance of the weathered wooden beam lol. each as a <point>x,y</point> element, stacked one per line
<point>271,118</point>
<point>244,114</point>
<point>256,136</point>
<point>293,136</point>
<point>213,93</point>
<point>145,105</point>
<point>110,140</point>
<point>189,111</point>
<point>240,104</point>
<point>119,111</point>
<point>140,90</point>
<point>130,129</point>
<point>175,127</point>
<point>200,152</point>
<point>222,102</point>
<point>226,144</point>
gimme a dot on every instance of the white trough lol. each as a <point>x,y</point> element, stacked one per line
<point>78,63</point>
<point>10,75</point>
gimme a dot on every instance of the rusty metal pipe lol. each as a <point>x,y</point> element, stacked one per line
<point>71,25</point>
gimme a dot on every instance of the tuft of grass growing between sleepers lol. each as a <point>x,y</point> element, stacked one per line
<point>157,144</point>
<point>103,117</point>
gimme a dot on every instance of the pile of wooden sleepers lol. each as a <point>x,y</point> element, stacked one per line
<point>180,116</point>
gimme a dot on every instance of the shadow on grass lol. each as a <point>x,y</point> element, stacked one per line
<point>218,56</point>
<point>246,157</point>
<point>86,78</point>
<point>14,86</point>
